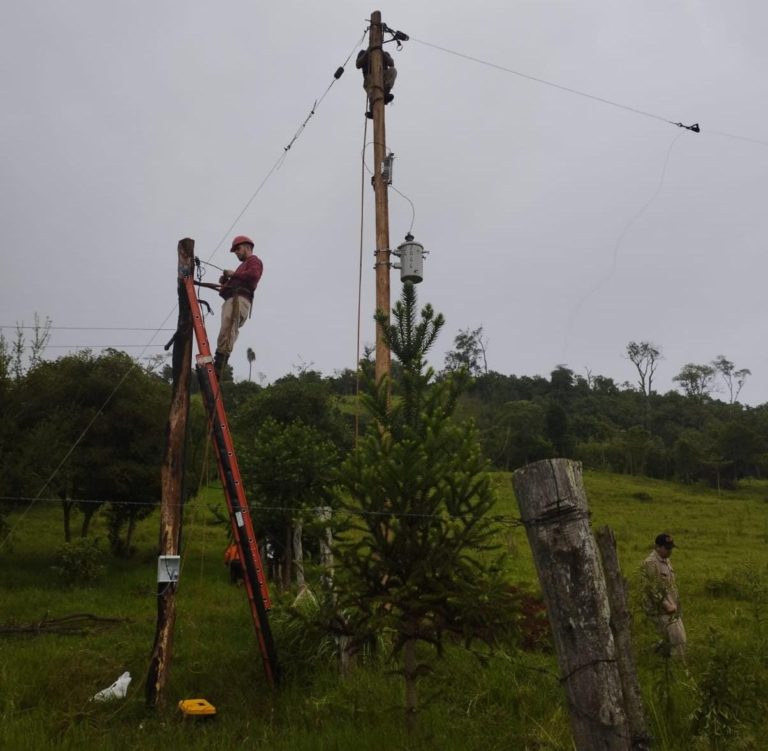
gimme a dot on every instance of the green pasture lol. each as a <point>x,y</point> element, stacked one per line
<point>507,699</point>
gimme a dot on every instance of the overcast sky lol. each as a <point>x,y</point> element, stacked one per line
<point>563,226</point>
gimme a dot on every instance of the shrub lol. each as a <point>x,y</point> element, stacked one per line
<point>80,562</point>
<point>721,690</point>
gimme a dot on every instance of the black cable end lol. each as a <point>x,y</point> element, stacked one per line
<point>339,73</point>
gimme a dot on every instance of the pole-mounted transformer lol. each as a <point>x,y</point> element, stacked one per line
<point>411,255</point>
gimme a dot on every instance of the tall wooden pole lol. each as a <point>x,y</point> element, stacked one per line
<point>376,103</point>
<point>172,482</point>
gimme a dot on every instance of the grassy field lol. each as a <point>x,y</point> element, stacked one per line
<point>510,700</point>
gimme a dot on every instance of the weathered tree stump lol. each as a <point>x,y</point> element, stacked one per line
<point>554,510</point>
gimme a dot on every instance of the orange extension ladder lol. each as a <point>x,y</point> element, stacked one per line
<point>229,472</point>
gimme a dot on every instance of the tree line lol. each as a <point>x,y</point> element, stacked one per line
<point>292,433</point>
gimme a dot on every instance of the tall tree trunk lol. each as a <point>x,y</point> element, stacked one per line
<point>298,554</point>
<point>288,557</point>
<point>88,513</point>
<point>129,533</point>
<point>410,676</point>
<point>343,643</point>
<point>326,547</point>
<point>66,506</point>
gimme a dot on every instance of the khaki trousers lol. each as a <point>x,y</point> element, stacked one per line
<point>234,313</point>
<point>672,631</point>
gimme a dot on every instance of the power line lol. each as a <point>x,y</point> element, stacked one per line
<point>88,328</point>
<point>255,507</point>
<point>105,346</point>
<point>738,138</point>
<point>560,87</point>
<point>337,74</point>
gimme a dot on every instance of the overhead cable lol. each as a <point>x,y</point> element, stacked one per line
<point>693,128</point>
<point>90,328</point>
<point>256,507</point>
<point>337,74</point>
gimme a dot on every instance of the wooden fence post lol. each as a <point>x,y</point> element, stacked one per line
<point>621,626</point>
<point>553,507</point>
<point>172,483</point>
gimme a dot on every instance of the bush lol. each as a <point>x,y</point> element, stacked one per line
<point>80,562</point>
<point>722,692</point>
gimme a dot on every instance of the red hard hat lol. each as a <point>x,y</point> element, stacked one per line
<point>239,240</point>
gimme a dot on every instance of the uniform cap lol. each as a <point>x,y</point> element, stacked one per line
<point>665,541</point>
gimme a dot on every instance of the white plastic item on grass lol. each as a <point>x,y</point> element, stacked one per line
<point>117,690</point>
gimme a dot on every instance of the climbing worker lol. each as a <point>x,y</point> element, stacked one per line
<point>661,598</point>
<point>237,289</point>
<point>232,561</point>
<point>390,74</point>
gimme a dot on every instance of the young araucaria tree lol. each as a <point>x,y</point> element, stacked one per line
<point>415,564</point>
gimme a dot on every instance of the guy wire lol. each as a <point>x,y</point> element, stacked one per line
<point>360,278</point>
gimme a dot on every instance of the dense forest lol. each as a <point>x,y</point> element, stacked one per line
<point>91,427</point>
<point>690,435</point>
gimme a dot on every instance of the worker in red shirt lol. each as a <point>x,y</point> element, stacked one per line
<point>237,289</point>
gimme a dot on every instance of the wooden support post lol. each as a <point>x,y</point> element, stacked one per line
<point>553,507</point>
<point>172,483</point>
<point>621,626</point>
<point>376,103</point>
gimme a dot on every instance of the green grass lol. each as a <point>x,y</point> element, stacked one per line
<point>511,700</point>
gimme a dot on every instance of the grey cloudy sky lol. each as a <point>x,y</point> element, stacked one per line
<point>564,226</point>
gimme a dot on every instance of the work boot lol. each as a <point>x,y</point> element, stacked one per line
<point>388,98</point>
<point>219,361</point>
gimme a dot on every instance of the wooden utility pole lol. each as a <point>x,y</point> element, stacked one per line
<point>553,506</point>
<point>172,482</point>
<point>376,103</point>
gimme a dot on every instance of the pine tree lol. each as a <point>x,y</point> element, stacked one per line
<point>419,494</point>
